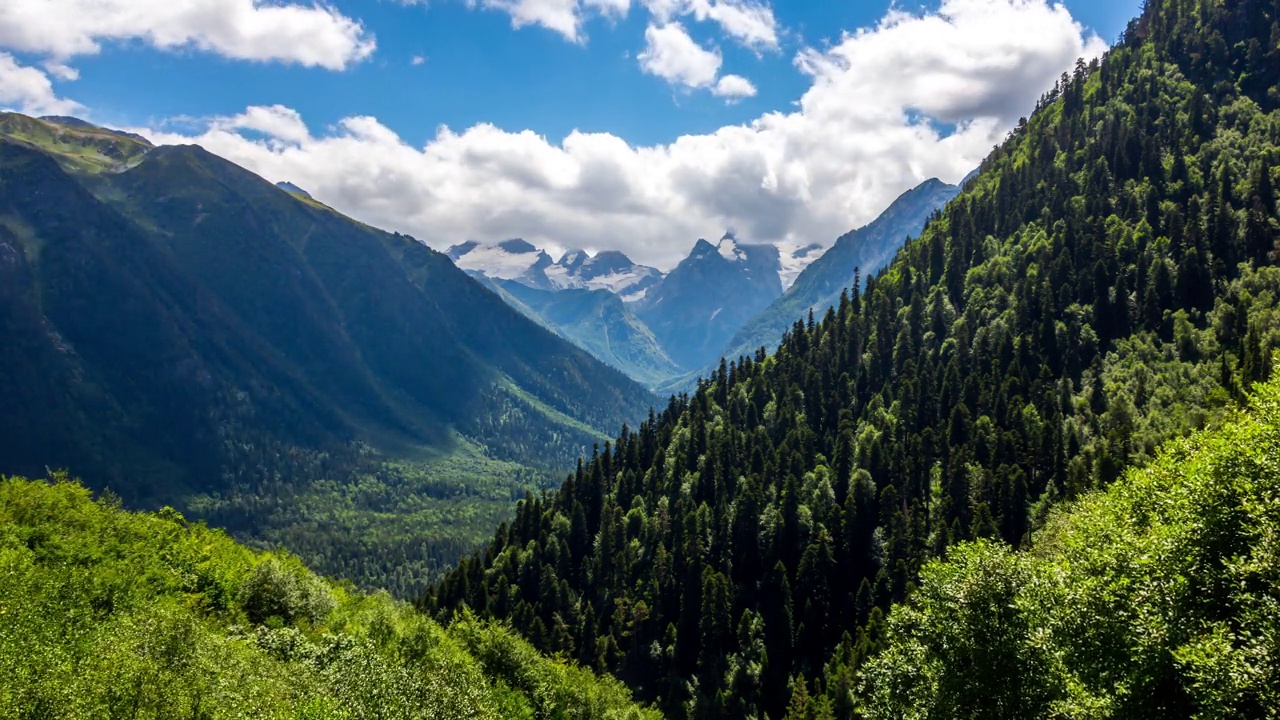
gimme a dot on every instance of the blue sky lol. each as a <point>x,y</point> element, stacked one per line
<point>633,74</point>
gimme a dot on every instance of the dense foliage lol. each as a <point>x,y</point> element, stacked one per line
<point>1154,599</point>
<point>1106,283</point>
<point>105,613</point>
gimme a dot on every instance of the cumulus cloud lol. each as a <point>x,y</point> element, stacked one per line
<point>734,87</point>
<point>672,55</point>
<point>29,90</point>
<point>914,97</point>
<point>279,125</point>
<point>312,35</point>
<point>565,17</point>
<point>748,22</point>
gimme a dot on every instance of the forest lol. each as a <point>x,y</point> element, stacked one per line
<point>1106,285</point>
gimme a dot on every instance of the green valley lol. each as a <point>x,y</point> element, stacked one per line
<point>1025,465</point>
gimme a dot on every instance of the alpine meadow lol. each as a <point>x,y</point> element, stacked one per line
<point>1007,449</point>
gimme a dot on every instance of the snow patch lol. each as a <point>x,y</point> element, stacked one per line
<point>729,250</point>
<point>793,258</point>
<point>494,261</point>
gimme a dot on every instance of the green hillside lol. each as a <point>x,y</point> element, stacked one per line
<point>1105,285</point>
<point>107,613</point>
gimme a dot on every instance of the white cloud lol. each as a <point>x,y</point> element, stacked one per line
<point>565,17</point>
<point>281,126</point>
<point>860,135</point>
<point>672,55</point>
<point>748,22</point>
<point>29,90</point>
<point>417,60</point>
<point>313,35</point>
<point>734,87</point>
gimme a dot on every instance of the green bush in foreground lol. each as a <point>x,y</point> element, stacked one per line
<point>1158,598</point>
<point>106,614</point>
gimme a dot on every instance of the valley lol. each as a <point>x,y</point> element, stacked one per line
<point>1010,449</point>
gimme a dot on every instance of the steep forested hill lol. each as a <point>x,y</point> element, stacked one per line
<point>111,614</point>
<point>1107,283</point>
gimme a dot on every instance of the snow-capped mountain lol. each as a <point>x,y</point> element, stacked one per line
<point>700,304</point>
<point>607,270</point>
<point>692,311</point>
<point>528,265</point>
<point>513,259</point>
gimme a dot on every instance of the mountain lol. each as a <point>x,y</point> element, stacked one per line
<point>520,261</point>
<point>513,259</point>
<point>293,189</point>
<point>865,250</point>
<point>1106,285</point>
<point>606,270</point>
<point>599,322</point>
<point>107,612</point>
<point>700,304</point>
<point>184,332</point>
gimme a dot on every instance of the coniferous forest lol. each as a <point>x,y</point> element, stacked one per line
<point>783,541</point>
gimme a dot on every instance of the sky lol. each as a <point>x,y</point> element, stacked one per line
<point>635,125</point>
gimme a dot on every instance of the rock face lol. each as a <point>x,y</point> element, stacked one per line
<point>696,309</point>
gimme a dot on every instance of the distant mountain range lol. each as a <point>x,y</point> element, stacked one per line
<point>174,323</point>
<point>530,266</point>
<point>724,300</point>
<point>865,250</point>
<point>597,321</point>
<point>665,324</point>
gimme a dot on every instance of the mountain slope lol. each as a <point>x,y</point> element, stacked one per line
<point>183,332</point>
<point>1106,283</point>
<point>313,270</point>
<point>709,295</point>
<point>108,613</point>
<point>599,322</point>
<point>865,250</point>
